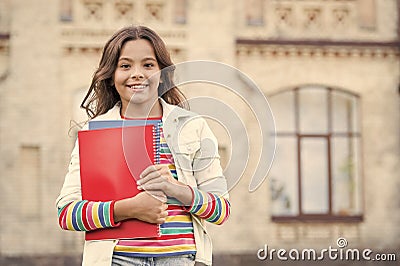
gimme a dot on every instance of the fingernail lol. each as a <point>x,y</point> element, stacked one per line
<point>139,187</point>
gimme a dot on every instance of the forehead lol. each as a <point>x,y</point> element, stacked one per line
<point>137,49</point>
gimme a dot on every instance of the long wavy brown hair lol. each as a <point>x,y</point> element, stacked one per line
<point>102,94</point>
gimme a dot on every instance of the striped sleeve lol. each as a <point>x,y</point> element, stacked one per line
<point>83,215</point>
<point>209,206</point>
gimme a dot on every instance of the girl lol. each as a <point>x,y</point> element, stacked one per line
<point>128,84</point>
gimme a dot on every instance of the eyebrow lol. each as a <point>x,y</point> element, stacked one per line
<point>130,59</point>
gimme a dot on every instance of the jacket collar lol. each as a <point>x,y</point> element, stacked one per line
<point>172,111</point>
<point>112,114</point>
<point>169,111</point>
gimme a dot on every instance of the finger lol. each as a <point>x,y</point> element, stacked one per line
<point>153,169</point>
<point>160,220</point>
<point>163,168</point>
<point>160,166</point>
<point>149,176</point>
<point>148,170</point>
<point>161,171</point>
<point>164,214</point>
<point>153,186</point>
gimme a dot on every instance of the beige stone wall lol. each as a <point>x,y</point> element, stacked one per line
<point>33,141</point>
<point>47,64</point>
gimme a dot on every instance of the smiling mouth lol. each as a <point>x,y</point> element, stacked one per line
<point>137,87</point>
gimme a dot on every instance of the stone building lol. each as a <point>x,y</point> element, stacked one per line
<point>329,69</point>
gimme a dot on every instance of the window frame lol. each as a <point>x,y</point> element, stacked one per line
<point>330,134</point>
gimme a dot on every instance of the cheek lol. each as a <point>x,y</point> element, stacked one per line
<point>154,83</point>
<point>119,90</point>
<point>155,77</point>
<point>117,78</point>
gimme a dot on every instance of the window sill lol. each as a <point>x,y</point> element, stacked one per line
<point>318,218</point>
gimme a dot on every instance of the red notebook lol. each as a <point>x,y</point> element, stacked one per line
<point>111,160</point>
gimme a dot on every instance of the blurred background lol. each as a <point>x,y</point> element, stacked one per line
<point>330,70</point>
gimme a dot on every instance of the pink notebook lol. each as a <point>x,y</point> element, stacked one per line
<point>111,160</point>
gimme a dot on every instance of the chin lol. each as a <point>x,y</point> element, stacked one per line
<point>142,100</point>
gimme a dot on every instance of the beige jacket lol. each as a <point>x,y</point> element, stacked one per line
<point>195,151</point>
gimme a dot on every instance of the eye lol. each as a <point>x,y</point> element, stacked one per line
<point>125,66</point>
<point>149,65</point>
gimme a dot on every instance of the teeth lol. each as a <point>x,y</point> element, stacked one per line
<point>138,86</point>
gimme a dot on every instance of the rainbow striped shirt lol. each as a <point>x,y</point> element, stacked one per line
<point>177,233</point>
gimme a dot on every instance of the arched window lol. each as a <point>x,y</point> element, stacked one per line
<point>317,169</point>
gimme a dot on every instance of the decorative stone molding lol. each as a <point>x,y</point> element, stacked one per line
<point>94,21</point>
<point>341,16</point>
<point>284,15</point>
<point>70,50</point>
<point>317,51</point>
<point>315,14</point>
<point>96,12</point>
<point>89,40</point>
<point>93,9</point>
<point>84,40</point>
<point>71,34</point>
<point>124,10</point>
<point>154,11</point>
<point>178,54</point>
<point>4,57</point>
<point>4,46</point>
<point>315,19</point>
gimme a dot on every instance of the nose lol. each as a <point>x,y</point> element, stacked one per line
<point>136,73</point>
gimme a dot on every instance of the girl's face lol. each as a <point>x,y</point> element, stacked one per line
<point>137,75</point>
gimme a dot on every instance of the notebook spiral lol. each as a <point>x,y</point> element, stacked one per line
<point>157,142</point>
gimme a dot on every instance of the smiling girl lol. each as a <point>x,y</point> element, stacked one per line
<point>134,80</point>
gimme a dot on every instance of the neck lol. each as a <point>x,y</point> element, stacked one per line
<point>142,111</point>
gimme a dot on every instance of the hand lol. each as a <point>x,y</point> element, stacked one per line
<point>143,206</point>
<point>159,178</point>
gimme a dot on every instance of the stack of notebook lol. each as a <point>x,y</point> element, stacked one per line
<point>113,153</point>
